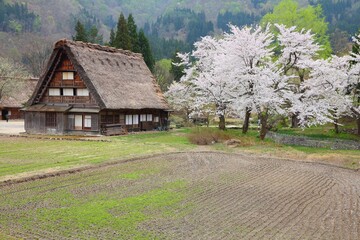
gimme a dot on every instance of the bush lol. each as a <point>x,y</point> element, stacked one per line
<point>207,136</point>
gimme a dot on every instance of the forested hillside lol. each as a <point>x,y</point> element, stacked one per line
<point>169,24</point>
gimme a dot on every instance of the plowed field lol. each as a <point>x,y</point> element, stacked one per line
<point>204,195</point>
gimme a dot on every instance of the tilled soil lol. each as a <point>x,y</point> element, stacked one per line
<point>228,196</point>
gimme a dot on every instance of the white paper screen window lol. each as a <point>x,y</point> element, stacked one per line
<point>87,121</point>
<point>135,119</point>
<point>143,118</point>
<point>128,120</point>
<point>68,75</point>
<point>82,92</point>
<point>68,92</point>
<point>54,91</point>
<point>149,118</point>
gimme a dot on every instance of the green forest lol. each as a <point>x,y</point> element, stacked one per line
<point>168,26</point>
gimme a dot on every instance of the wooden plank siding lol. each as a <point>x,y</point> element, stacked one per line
<point>58,82</point>
<point>158,119</point>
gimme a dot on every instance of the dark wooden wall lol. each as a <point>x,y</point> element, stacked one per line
<point>35,123</point>
<point>119,117</point>
<point>58,82</point>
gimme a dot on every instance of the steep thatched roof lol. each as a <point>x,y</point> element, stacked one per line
<point>117,79</point>
<point>19,97</point>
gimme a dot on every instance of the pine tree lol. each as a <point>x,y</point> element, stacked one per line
<point>122,38</point>
<point>133,34</point>
<point>112,38</point>
<point>145,50</point>
<point>80,32</point>
<point>93,35</point>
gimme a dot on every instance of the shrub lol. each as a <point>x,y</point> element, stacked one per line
<point>206,136</point>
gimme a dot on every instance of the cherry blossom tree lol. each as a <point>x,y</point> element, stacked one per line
<point>248,50</point>
<point>323,95</point>
<point>298,51</point>
<point>240,72</point>
<point>354,82</point>
<point>181,97</point>
<point>206,77</point>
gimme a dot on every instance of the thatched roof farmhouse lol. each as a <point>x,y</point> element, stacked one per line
<point>14,101</point>
<point>93,89</point>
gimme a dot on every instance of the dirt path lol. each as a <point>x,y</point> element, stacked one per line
<point>12,127</point>
<point>228,196</point>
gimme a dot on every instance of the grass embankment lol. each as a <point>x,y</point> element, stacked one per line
<point>326,132</point>
<point>250,143</point>
<point>28,155</point>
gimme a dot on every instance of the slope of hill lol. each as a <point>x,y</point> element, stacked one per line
<point>57,15</point>
<point>57,18</point>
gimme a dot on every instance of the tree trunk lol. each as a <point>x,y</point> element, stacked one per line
<point>358,126</point>
<point>222,122</point>
<point>263,125</point>
<point>294,121</point>
<point>246,121</point>
<point>336,126</point>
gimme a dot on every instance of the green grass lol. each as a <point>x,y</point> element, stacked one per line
<point>123,214</point>
<point>26,156</point>
<point>99,203</point>
<point>20,155</point>
<point>320,132</point>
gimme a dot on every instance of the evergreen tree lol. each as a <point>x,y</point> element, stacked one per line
<point>176,69</point>
<point>93,35</point>
<point>84,34</point>
<point>112,38</point>
<point>80,33</point>
<point>145,50</point>
<point>133,34</point>
<point>122,38</point>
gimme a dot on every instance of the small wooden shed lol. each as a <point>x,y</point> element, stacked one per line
<point>93,89</point>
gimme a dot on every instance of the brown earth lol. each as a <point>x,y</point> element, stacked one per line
<point>230,196</point>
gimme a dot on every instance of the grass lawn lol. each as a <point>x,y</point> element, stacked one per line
<point>28,155</point>
<point>93,204</point>
<point>21,157</point>
<point>320,132</point>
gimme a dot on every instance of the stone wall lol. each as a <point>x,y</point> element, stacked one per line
<point>311,142</point>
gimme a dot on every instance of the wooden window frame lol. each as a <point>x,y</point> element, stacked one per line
<point>50,119</point>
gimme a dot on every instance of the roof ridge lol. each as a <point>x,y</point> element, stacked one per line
<point>67,42</point>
